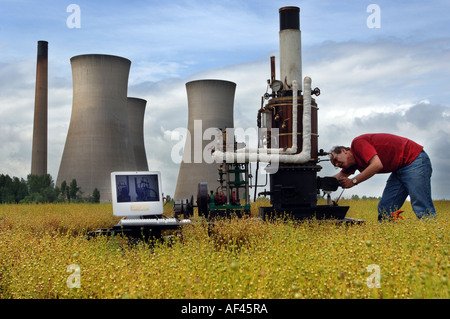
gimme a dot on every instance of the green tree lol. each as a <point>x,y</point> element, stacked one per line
<point>20,189</point>
<point>96,196</point>
<point>36,183</point>
<point>6,195</point>
<point>41,188</point>
<point>73,190</point>
<point>12,190</point>
<point>64,190</point>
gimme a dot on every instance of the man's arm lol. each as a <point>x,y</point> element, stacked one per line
<point>374,167</point>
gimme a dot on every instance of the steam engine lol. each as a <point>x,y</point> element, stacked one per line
<point>288,129</point>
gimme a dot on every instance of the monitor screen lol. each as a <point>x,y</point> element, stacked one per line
<point>136,193</point>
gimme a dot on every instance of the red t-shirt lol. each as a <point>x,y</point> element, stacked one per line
<point>394,151</point>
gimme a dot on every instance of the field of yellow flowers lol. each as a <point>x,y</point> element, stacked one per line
<point>44,253</point>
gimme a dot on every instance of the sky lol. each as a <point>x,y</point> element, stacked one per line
<point>379,71</point>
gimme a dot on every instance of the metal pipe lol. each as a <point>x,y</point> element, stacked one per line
<point>293,148</point>
<point>256,181</point>
<point>272,69</point>
<point>247,195</point>
<point>227,181</point>
<point>302,157</point>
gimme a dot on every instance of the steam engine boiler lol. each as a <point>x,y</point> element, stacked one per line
<point>291,110</point>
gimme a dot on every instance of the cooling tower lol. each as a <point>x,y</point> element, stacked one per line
<point>39,149</point>
<point>98,138</point>
<point>211,102</point>
<point>136,111</point>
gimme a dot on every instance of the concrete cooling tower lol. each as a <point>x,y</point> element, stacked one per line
<point>136,112</point>
<point>98,141</point>
<point>210,104</point>
<point>39,149</point>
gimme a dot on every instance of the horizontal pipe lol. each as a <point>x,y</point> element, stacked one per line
<point>273,155</point>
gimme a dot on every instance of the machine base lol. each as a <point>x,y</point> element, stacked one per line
<point>227,213</point>
<point>141,228</point>
<point>320,213</point>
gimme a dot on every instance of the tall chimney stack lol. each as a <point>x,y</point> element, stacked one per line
<point>290,47</point>
<point>39,151</point>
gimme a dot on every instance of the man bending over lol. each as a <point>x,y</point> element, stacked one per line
<point>409,165</point>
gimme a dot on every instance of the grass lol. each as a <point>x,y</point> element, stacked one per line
<point>243,258</point>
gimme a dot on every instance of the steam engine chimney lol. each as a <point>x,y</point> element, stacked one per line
<point>290,47</point>
<point>39,149</point>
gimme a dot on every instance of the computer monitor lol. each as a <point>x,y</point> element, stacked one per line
<point>136,193</point>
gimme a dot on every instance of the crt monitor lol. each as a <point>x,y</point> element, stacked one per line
<point>136,193</point>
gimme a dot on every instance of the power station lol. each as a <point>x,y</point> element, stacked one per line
<point>105,146</point>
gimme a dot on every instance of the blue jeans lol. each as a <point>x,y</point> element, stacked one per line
<point>412,180</point>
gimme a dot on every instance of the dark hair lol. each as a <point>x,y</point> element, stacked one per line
<point>338,149</point>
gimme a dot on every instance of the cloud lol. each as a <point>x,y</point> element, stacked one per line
<point>360,77</point>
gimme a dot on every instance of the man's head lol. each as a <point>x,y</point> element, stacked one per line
<point>342,157</point>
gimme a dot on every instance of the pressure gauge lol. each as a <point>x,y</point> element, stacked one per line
<point>276,85</point>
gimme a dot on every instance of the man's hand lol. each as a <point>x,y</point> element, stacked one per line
<point>346,182</point>
<point>374,167</point>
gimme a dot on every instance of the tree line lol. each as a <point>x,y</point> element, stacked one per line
<point>42,189</point>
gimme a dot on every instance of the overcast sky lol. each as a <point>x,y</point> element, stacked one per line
<point>392,79</point>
